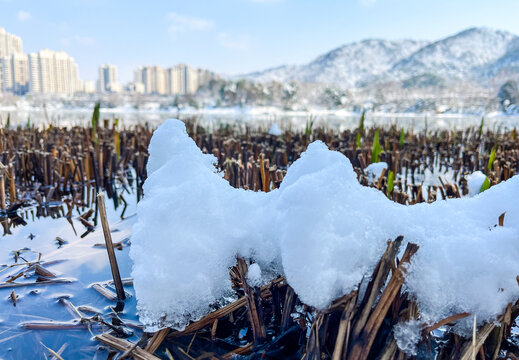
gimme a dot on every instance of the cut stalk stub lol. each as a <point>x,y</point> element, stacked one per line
<point>110,248</point>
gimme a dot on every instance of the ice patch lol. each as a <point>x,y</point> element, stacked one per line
<point>321,229</point>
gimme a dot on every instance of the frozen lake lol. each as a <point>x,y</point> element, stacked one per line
<point>82,261</point>
<point>257,118</point>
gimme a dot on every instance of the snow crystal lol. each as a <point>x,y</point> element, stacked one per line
<point>321,229</point>
<point>275,130</point>
<point>475,181</point>
<point>254,275</point>
<point>407,335</point>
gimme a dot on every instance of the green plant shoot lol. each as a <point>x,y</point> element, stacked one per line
<point>95,122</point>
<point>485,185</point>
<point>360,129</point>
<point>390,183</point>
<point>492,158</point>
<point>376,149</point>
<point>401,141</point>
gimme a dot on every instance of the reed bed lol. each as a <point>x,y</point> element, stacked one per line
<point>258,161</point>
<point>62,169</point>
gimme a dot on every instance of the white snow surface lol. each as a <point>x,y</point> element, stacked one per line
<point>321,229</point>
<point>254,275</point>
<point>275,130</point>
<point>475,181</point>
<point>407,335</point>
<point>374,170</point>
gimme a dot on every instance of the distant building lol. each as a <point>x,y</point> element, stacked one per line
<point>43,72</point>
<point>53,72</point>
<point>13,64</point>
<point>89,87</point>
<point>14,72</point>
<point>135,87</point>
<point>154,80</point>
<point>9,44</point>
<point>107,79</point>
<point>177,80</point>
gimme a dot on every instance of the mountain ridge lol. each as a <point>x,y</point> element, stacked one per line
<point>476,54</point>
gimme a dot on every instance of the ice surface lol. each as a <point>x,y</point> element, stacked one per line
<point>275,130</point>
<point>475,181</point>
<point>321,229</point>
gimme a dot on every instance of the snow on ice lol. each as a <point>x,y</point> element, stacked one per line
<point>321,229</point>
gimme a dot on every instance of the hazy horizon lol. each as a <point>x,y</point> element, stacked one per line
<point>233,36</point>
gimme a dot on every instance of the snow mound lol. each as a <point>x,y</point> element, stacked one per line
<point>475,182</point>
<point>374,170</point>
<point>321,229</point>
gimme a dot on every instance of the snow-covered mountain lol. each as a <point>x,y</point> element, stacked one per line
<point>476,54</point>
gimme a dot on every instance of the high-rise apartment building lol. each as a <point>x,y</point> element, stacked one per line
<point>14,74</point>
<point>153,79</point>
<point>13,64</point>
<point>177,80</point>
<point>89,87</point>
<point>9,44</point>
<point>53,72</point>
<point>44,72</point>
<point>107,79</point>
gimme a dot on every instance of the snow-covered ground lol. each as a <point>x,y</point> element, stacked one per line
<point>321,229</point>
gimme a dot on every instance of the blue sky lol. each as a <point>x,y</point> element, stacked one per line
<point>233,36</point>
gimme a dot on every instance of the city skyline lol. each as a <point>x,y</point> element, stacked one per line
<point>55,72</point>
<point>42,72</point>
<point>233,36</point>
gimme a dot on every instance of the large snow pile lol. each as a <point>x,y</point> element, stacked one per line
<point>321,229</point>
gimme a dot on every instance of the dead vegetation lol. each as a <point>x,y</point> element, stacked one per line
<point>54,171</point>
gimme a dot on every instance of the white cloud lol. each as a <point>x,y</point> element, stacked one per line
<point>79,40</point>
<point>23,15</point>
<point>181,23</point>
<point>234,42</point>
